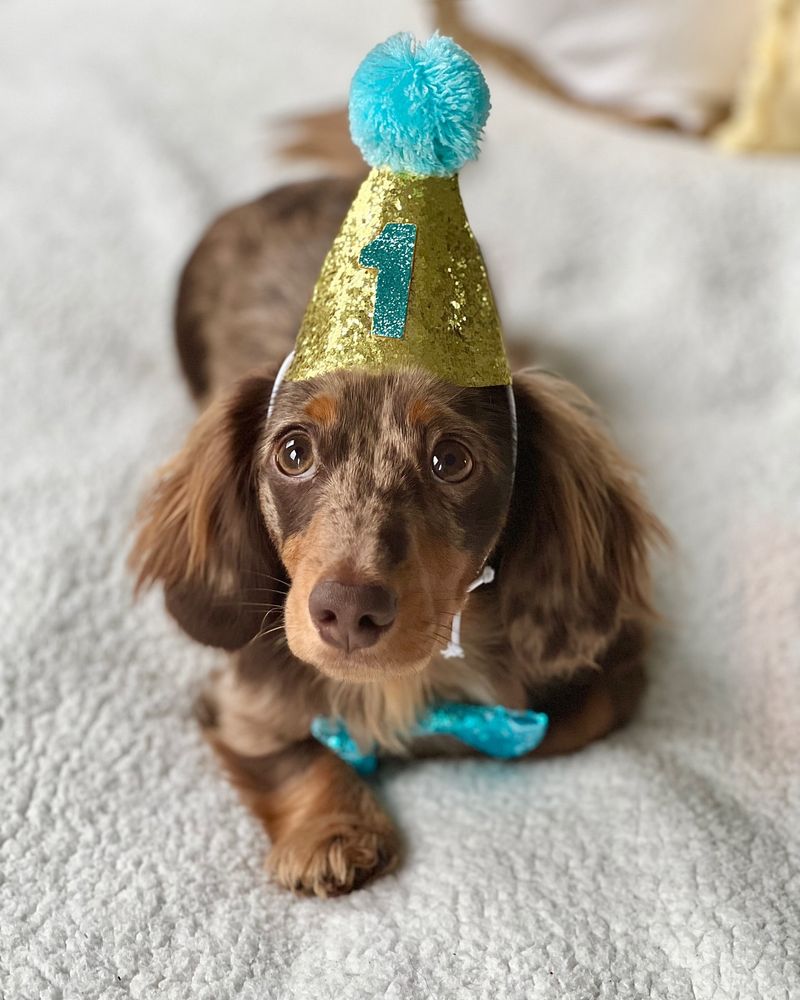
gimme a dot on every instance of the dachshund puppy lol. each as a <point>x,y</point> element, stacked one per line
<point>328,548</point>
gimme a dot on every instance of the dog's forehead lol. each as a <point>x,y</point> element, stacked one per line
<point>389,400</point>
<point>358,406</point>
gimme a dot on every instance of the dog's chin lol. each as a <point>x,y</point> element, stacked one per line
<point>362,666</point>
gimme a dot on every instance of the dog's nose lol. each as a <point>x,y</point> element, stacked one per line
<point>351,616</point>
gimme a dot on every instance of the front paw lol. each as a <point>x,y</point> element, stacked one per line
<point>333,857</point>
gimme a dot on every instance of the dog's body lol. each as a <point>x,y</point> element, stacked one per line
<point>320,550</point>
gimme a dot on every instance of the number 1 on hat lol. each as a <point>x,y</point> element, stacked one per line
<point>392,254</point>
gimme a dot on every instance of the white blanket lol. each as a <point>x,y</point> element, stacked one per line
<point>663,862</point>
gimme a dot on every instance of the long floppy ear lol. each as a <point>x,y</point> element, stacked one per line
<point>200,531</point>
<point>574,555</point>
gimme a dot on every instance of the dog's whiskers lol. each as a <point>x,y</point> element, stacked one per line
<point>439,631</point>
<point>267,576</point>
<point>265,590</point>
<point>263,605</point>
<point>263,633</point>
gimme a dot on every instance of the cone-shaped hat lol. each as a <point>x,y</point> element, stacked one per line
<point>404,283</point>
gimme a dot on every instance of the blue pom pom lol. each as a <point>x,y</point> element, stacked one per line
<point>418,108</point>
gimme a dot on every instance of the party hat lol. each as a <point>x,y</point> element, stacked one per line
<point>404,283</point>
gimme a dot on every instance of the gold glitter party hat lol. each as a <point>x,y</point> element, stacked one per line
<point>404,283</point>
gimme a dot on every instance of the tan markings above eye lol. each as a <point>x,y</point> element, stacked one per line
<point>294,454</point>
<point>421,412</point>
<point>451,461</point>
<point>322,409</point>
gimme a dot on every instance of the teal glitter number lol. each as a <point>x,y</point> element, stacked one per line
<point>392,253</point>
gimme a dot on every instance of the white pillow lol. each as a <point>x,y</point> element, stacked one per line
<point>676,59</point>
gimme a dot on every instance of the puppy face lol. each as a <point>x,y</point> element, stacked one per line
<point>383,496</point>
<point>376,500</point>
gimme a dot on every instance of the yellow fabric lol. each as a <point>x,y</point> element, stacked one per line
<point>452,328</point>
<point>766,116</point>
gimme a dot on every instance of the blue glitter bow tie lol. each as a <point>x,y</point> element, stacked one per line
<point>496,731</point>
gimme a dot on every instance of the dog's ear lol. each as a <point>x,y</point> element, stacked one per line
<point>574,554</point>
<point>200,531</point>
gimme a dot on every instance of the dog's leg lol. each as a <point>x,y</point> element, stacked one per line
<point>599,702</point>
<point>329,835</point>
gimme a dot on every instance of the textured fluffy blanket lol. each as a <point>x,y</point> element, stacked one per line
<point>663,862</point>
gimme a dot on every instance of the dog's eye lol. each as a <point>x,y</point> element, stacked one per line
<point>451,462</point>
<point>294,454</point>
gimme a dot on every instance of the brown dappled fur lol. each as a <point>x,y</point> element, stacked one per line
<point>238,547</point>
<point>576,563</point>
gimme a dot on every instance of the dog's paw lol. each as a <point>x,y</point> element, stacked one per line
<point>334,858</point>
